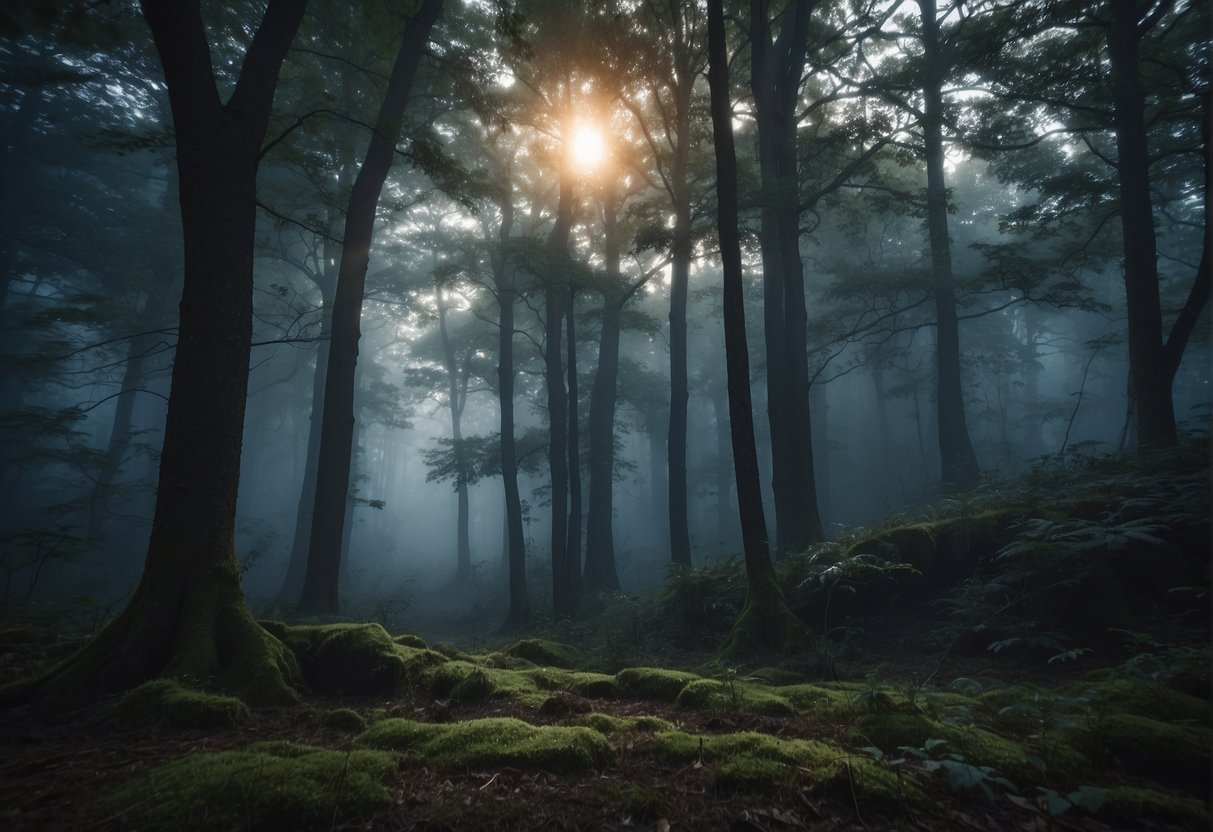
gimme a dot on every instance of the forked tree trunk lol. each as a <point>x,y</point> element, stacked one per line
<point>776,68</point>
<point>188,618</point>
<point>764,621</point>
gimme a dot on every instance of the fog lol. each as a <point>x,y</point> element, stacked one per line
<point>93,269</point>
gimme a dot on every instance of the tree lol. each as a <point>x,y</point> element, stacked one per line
<point>765,620</point>
<point>669,64</point>
<point>776,69</point>
<point>956,455</point>
<point>1152,361</point>
<point>1134,77</point>
<point>321,579</point>
<point>187,617</point>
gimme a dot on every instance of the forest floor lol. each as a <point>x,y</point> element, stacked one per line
<point>1083,707</point>
<point>651,749</point>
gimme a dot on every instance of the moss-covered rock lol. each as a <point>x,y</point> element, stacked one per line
<point>977,746</point>
<point>744,759</point>
<point>1122,802</point>
<point>169,706</point>
<point>711,694</point>
<point>473,688</point>
<point>410,640</point>
<point>261,789</point>
<point>1147,747</point>
<point>474,683</point>
<point>820,702</point>
<point>544,653</point>
<point>653,682</point>
<point>495,741</point>
<point>355,658</point>
<point>595,685</point>
<point>343,719</point>
<point>611,726</point>
<point>1143,698</point>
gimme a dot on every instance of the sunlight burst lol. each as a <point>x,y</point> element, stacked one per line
<point>587,147</point>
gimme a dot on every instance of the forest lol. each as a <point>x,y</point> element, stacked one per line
<point>615,414</point>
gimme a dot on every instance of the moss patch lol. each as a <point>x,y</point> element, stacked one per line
<point>349,658</point>
<point>471,683</point>
<point>1122,802</point>
<point>612,726</point>
<point>1148,699</point>
<point>595,685</point>
<point>978,746</point>
<point>169,706</point>
<point>710,694</point>
<point>261,789</point>
<point>1147,747</point>
<point>746,759</point>
<point>653,682</point>
<point>495,741</point>
<point>544,653</point>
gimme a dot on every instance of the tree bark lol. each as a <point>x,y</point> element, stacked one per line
<point>776,69</point>
<point>765,619</point>
<point>1151,365</point>
<point>957,460</point>
<point>187,617</point>
<point>556,295</point>
<point>600,572</point>
<point>573,546</point>
<point>456,393</point>
<point>292,584</point>
<point>519,612</point>
<point>322,578</point>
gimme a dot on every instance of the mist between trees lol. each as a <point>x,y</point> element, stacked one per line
<point>468,255</point>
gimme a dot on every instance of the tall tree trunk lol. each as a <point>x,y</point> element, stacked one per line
<point>187,617</point>
<point>765,619</point>
<point>119,442</point>
<point>556,296</point>
<point>600,572</point>
<point>676,440</point>
<point>292,584</point>
<point>455,402</point>
<point>724,465</point>
<point>1151,382</point>
<point>776,69</point>
<point>515,549</point>
<point>957,460</point>
<point>321,580</point>
<point>573,546</point>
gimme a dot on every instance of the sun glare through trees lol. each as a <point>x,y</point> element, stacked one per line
<point>608,414</point>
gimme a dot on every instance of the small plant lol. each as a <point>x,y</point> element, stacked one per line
<point>962,775</point>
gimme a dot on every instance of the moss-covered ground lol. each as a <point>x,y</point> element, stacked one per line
<point>914,702</point>
<point>474,740</point>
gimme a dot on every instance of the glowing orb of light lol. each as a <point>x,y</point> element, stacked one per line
<point>587,147</point>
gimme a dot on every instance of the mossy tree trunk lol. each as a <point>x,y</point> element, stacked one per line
<point>188,617</point>
<point>765,621</point>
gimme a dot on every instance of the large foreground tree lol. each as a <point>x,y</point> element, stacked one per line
<point>188,616</point>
